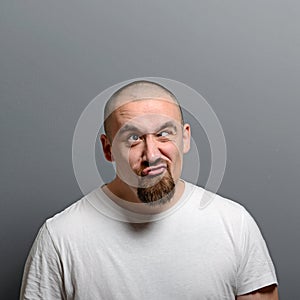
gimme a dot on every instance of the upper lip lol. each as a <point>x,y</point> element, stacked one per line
<point>151,168</point>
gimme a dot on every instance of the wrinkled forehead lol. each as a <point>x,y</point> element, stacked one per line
<point>152,107</point>
<point>148,123</point>
<point>120,102</point>
<point>147,115</point>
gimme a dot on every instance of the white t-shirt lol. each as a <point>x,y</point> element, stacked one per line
<point>87,252</point>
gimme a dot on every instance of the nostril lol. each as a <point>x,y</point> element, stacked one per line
<point>146,164</point>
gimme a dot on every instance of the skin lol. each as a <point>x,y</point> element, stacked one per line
<point>130,149</point>
<point>146,131</point>
<point>265,293</point>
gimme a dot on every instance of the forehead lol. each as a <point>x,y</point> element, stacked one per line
<point>145,113</point>
<point>158,106</point>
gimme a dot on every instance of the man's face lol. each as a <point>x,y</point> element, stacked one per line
<point>147,144</point>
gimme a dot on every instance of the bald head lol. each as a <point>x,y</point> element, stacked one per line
<point>135,91</point>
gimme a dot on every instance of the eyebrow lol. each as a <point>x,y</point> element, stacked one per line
<point>130,127</point>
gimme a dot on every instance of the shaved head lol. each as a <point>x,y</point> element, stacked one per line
<point>135,91</point>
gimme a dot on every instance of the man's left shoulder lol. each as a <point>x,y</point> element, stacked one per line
<point>228,205</point>
<point>210,201</point>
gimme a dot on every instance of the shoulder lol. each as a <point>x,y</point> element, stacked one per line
<point>74,218</point>
<point>220,211</point>
<point>210,202</point>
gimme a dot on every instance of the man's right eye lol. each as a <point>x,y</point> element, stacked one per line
<point>133,138</point>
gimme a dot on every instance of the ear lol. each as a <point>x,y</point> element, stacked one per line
<point>106,147</point>
<point>186,138</point>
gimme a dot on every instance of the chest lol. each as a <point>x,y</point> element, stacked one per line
<point>170,263</point>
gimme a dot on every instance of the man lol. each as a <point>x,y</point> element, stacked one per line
<point>143,236</point>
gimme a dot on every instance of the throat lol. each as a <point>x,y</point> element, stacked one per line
<point>127,197</point>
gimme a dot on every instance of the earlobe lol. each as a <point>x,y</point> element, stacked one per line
<point>106,147</point>
<point>186,138</point>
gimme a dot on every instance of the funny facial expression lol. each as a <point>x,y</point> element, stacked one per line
<point>147,143</point>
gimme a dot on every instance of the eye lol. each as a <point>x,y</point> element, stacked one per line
<point>133,138</point>
<point>164,133</point>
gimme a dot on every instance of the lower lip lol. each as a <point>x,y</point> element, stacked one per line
<point>156,171</point>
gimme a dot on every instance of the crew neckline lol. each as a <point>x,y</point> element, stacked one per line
<point>105,205</point>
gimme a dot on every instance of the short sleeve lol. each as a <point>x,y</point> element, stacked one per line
<point>42,278</point>
<point>255,268</point>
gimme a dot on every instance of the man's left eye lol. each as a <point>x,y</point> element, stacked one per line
<point>164,133</point>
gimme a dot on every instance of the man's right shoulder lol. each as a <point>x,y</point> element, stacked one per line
<point>73,217</point>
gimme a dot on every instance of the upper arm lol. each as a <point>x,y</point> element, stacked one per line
<point>266,293</point>
<point>42,278</point>
<point>255,267</point>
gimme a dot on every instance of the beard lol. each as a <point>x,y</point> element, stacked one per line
<point>155,190</point>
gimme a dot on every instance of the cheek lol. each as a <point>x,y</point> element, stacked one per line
<point>134,157</point>
<point>120,154</point>
<point>174,154</point>
<point>172,150</point>
<point>126,157</point>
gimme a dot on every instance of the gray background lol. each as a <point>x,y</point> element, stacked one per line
<point>242,56</point>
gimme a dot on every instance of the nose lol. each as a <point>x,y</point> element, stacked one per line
<point>151,151</point>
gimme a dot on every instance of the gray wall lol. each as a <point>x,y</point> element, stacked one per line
<point>242,56</point>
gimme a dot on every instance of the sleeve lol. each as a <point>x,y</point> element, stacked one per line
<point>43,276</point>
<point>255,268</point>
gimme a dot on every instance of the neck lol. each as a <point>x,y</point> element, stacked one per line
<point>126,197</point>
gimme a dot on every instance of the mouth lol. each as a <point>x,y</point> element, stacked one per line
<point>154,170</point>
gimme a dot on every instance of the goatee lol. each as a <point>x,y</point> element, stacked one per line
<point>156,191</point>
